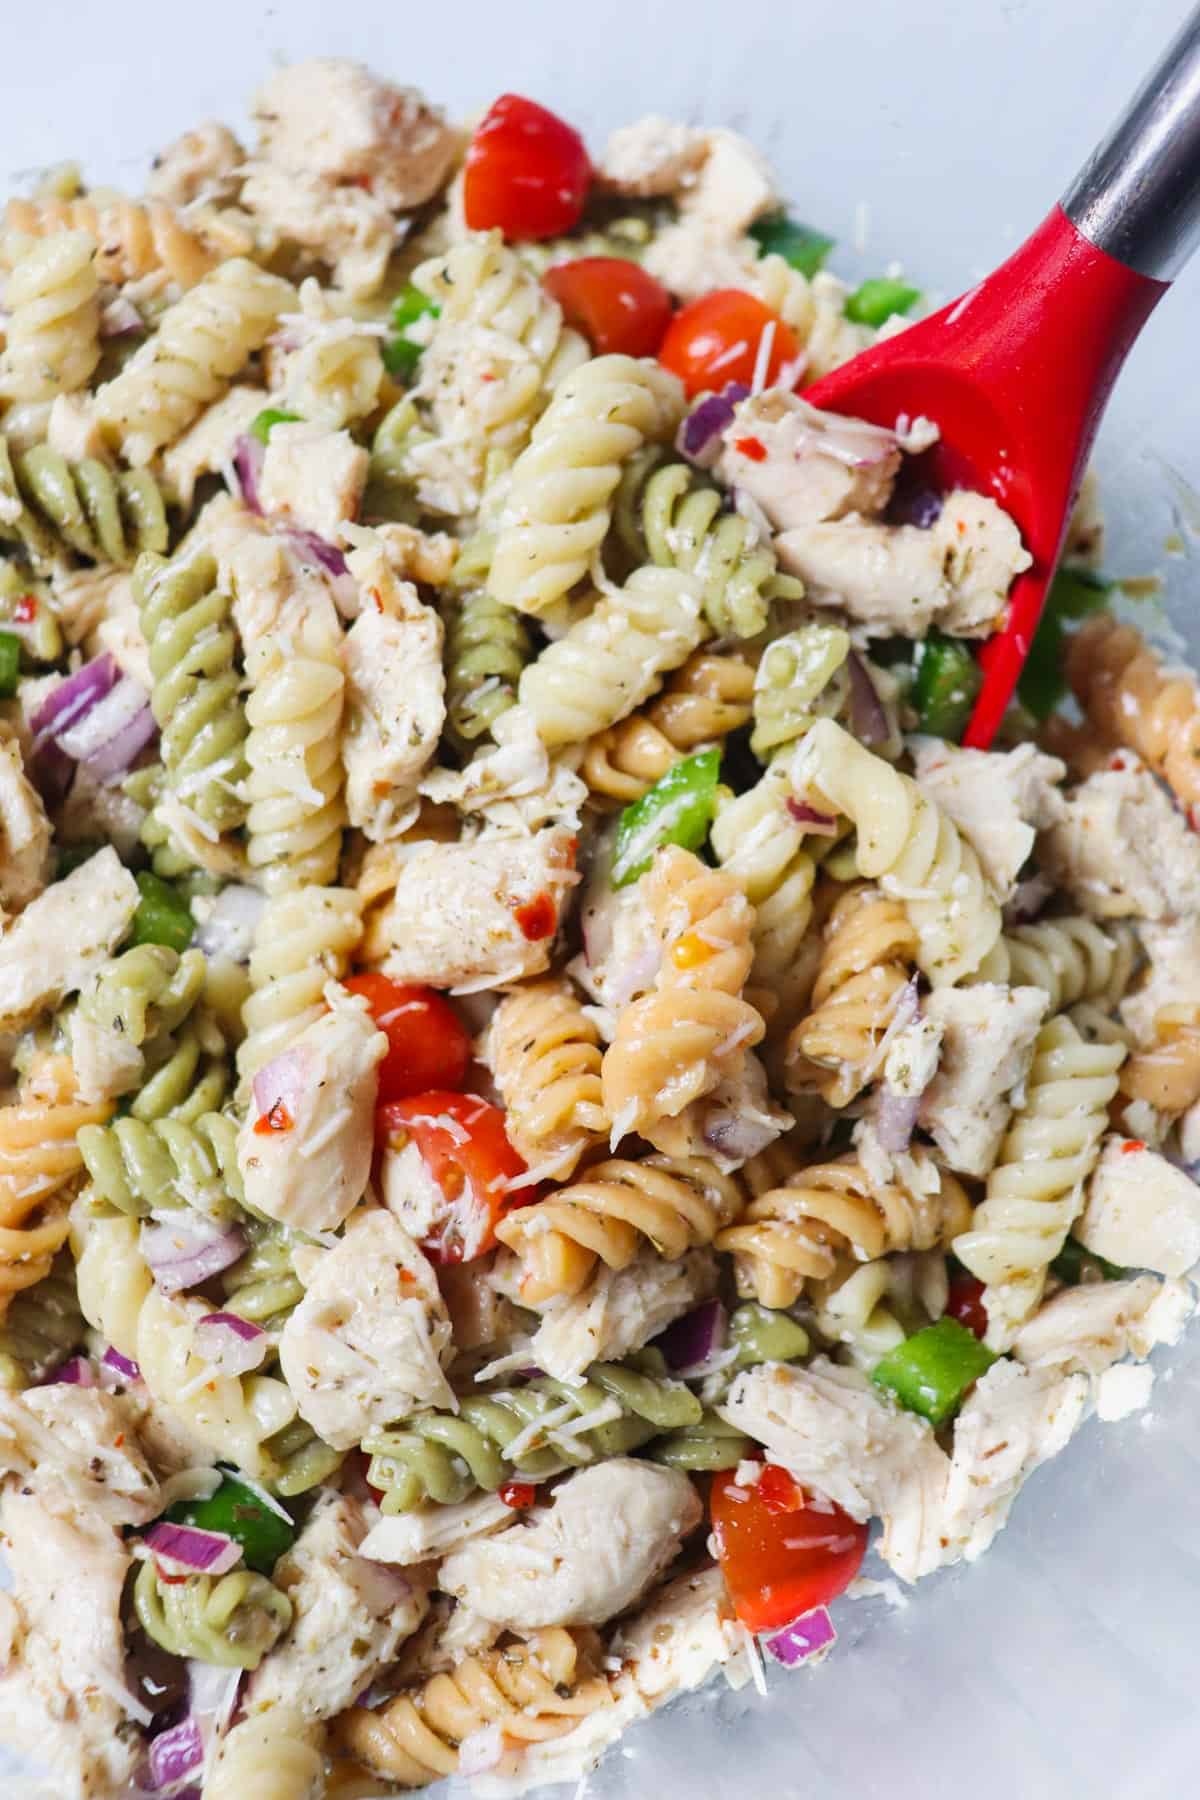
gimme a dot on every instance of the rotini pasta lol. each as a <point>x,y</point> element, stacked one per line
<point>81,507</point>
<point>53,331</point>
<point>1071,958</point>
<point>814,308</point>
<point>263,1286</point>
<point>134,238</point>
<point>391,486</point>
<point>1131,699</point>
<point>41,1328</point>
<point>559,499</point>
<point>137,1166</point>
<point>111,1272</point>
<point>800,678</point>
<point>272,1755</point>
<point>487,646</point>
<point>302,942</point>
<point>294,788</point>
<point>230,1620</point>
<point>145,991</point>
<point>1035,1190</point>
<point>39,1156</point>
<point>866,962</point>
<point>759,842</point>
<point>700,704</point>
<point>756,1335</point>
<point>545,1057</point>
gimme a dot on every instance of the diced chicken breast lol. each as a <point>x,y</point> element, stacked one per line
<point>1141,1212</point>
<point>902,578</point>
<point>999,800</point>
<point>1172,977</point>
<point>415,1537</point>
<point>516,786</point>
<point>836,1434</point>
<point>79,1447</point>
<point>274,588</point>
<point>350,1615</point>
<point>1121,847</point>
<point>63,936</point>
<point>988,1035</point>
<point>120,633</point>
<point>416,555</point>
<point>619,1311</point>
<point>621,947</point>
<point>1090,1327</point>
<point>588,1556</point>
<point>346,227</point>
<point>736,1121</point>
<point>652,159</point>
<point>106,1063</point>
<point>207,447</point>
<point>368,1342</point>
<point>24,832</point>
<point>817,465</point>
<point>305,1148</point>
<point>202,164</point>
<point>313,476</point>
<point>63,1696</point>
<point>455,919</point>
<point>685,1630</point>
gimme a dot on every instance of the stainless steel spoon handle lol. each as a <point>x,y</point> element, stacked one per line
<point>1138,195</point>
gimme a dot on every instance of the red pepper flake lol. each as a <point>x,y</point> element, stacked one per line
<point>962,527</point>
<point>1131,1144</point>
<point>361,181</point>
<point>518,1494</point>
<point>778,1491</point>
<point>278,1119</point>
<point>25,609</point>
<point>118,1440</point>
<point>537,917</point>
<point>487,377</point>
<point>377,598</point>
<point>752,447</point>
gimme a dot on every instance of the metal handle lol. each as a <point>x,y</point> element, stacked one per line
<point>1138,195</point>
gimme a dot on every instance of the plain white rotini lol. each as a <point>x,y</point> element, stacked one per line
<point>201,343</point>
<point>559,499</point>
<point>758,841</point>
<point>1071,959</point>
<point>908,845</point>
<point>613,659</point>
<point>273,1755</point>
<point>53,330</point>
<point>815,310</point>
<point>294,788</point>
<point>1036,1189</point>
<point>302,941</point>
<point>112,1274</point>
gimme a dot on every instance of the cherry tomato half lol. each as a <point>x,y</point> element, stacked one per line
<point>716,339</point>
<point>527,171</point>
<point>428,1046</point>
<point>965,1303</point>
<point>780,1553</point>
<point>464,1146</point>
<point>616,304</point>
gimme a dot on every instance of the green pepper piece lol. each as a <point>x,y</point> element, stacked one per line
<point>237,1511</point>
<point>878,298</point>
<point>1074,594</point>
<point>1074,1263</point>
<point>163,916</point>
<point>265,422</point>
<point>400,354</point>
<point>930,1372</point>
<point>799,245</point>
<point>678,809</point>
<point>946,679</point>
<point>10,662</point>
<point>70,857</point>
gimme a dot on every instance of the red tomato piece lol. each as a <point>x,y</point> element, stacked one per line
<point>716,339</point>
<point>965,1303</point>
<point>465,1148</point>
<point>518,1494</point>
<point>780,1553</point>
<point>527,171</point>
<point>428,1045</point>
<point>616,304</point>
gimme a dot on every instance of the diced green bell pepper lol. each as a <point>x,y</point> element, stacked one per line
<point>70,857</point>
<point>1074,594</point>
<point>677,810</point>
<point>10,662</point>
<point>946,679</point>
<point>237,1511</point>
<point>265,422</point>
<point>930,1372</point>
<point>799,245</point>
<point>163,916</point>
<point>878,298</point>
<point>400,354</point>
<point>1074,1264</point>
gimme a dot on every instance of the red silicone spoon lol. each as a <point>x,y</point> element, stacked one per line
<point>1017,372</point>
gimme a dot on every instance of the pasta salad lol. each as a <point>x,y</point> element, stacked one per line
<point>547,1093</point>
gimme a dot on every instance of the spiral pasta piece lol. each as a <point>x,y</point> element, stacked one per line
<point>188,1080</point>
<point>545,1057</point>
<point>137,1166</point>
<point>1166,1075</point>
<point>298,1460</point>
<point>533,1431</point>
<point>1131,699</point>
<point>535,1690</point>
<point>676,1203</point>
<point>144,991</point>
<point>41,1328</point>
<point>759,842</point>
<point>112,1276</point>
<point>815,309</point>
<point>1035,1191</point>
<point>800,678</point>
<point>39,1155</point>
<point>612,660</point>
<point>679,1041</point>
<point>559,499</point>
<point>487,646</point>
<point>756,1335</point>
<point>866,962</point>
<point>52,340</point>
<point>263,1286</point>
<point>187,624</point>
<point>201,343</point>
<point>81,507</point>
<point>794,1234</point>
<point>294,788</point>
<point>910,847</point>
<point>705,700</point>
<point>230,1620</point>
<point>1071,959</point>
<point>302,941</point>
<point>272,1755</point>
<point>134,238</point>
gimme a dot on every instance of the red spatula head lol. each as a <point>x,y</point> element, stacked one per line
<point>1015,375</point>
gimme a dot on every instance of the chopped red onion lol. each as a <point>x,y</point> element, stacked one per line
<point>182,1256</point>
<point>804,1637</point>
<point>109,736</point>
<point>231,1344</point>
<point>121,318</point>
<point>734,1136</point>
<point>821,824</point>
<point>247,467</point>
<point>68,702</point>
<point>688,1344</point>
<point>699,436</point>
<point>1028,899</point>
<point>285,1080</point>
<point>230,926</point>
<point>868,720</point>
<point>176,1753</point>
<point>308,543</point>
<point>77,1371</point>
<point>895,1118</point>
<point>195,1551</point>
<point>123,1365</point>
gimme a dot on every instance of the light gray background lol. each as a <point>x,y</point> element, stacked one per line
<point>1067,1664</point>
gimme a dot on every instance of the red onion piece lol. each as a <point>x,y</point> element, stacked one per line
<point>699,436</point>
<point>233,1345</point>
<point>123,1365</point>
<point>110,734</point>
<point>868,720</point>
<point>229,928</point>
<point>821,824</point>
<point>307,543</point>
<point>68,702</point>
<point>176,1753</point>
<point>285,1080</point>
<point>895,1118</point>
<point>182,1256</point>
<point>191,1549</point>
<point>247,467</point>
<point>77,1371</point>
<point>804,1637</point>
<point>691,1340</point>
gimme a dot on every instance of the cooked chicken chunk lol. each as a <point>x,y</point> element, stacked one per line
<point>275,588</point>
<point>817,465</point>
<point>63,936</point>
<point>24,832</point>
<point>207,447</point>
<point>1090,1327</point>
<point>988,1035</point>
<point>1122,848</point>
<point>79,1447</point>
<point>619,1311</point>
<point>313,476</point>
<point>999,800</point>
<point>1141,1212</point>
